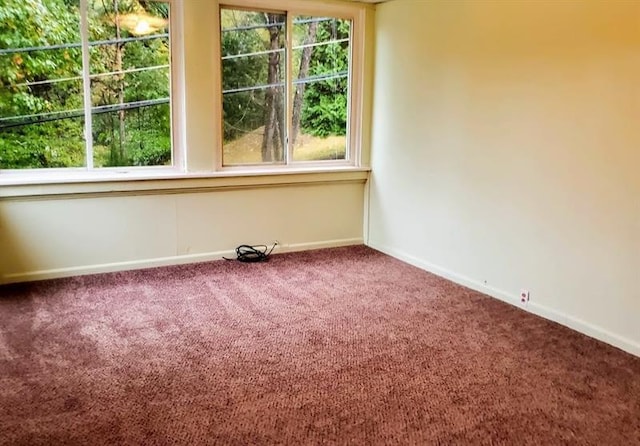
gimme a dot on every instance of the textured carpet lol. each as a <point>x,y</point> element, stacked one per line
<point>340,346</point>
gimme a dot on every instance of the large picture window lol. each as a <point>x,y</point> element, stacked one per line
<point>85,83</point>
<point>285,87</point>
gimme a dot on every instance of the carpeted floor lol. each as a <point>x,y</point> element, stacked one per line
<point>340,346</point>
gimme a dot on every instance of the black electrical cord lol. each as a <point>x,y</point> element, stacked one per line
<point>253,254</point>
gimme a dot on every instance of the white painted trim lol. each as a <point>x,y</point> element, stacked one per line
<point>177,94</point>
<point>31,276</point>
<point>295,247</point>
<point>543,311</point>
<point>357,75</point>
<point>586,328</point>
<point>333,8</point>
<point>185,183</point>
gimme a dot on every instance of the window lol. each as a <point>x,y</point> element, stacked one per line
<point>85,83</point>
<point>286,87</point>
<point>109,90</point>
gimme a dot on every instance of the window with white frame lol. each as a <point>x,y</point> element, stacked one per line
<point>286,87</point>
<point>92,86</point>
<point>85,84</point>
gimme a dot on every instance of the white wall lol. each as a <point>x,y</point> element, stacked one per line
<point>506,152</point>
<point>61,236</point>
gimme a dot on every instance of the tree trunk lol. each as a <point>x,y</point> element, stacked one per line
<point>279,133</point>
<point>305,60</point>
<point>272,139</point>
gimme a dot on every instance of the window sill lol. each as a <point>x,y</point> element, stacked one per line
<point>82,184</point>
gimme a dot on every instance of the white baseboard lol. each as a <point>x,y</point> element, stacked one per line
<point>56,273</point>
<point>576,324</point>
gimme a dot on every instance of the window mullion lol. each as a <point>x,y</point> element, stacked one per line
<point>289,89</point>
<point>86,83</point>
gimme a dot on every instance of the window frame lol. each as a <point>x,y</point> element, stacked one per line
<point>340,10</point>
<point>176,109</point>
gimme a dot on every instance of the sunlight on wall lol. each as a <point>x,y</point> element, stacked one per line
<point>506,152</point>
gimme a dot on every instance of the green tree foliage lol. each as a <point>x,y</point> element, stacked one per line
<point>140,136</point>
<point>38,86</point>
<point>32,23</point>
<point>324,108</point>
<point>253,69</point>
<point>243,112</point>
<point>324,112</point>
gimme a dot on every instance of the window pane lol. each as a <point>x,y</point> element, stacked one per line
<point>253,84</point>
<point>130,83</point>
<point>41,102</point>
<point>321,84</point>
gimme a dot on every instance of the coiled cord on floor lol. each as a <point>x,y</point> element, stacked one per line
<point>253,253</point>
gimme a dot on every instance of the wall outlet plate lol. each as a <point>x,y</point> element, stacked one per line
<point>524,296</point>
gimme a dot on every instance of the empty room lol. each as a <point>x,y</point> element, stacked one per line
<point>253,222</point>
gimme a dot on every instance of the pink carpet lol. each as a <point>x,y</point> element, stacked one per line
<point>339,346</point>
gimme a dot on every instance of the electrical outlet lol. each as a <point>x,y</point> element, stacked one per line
<point>524,296</point>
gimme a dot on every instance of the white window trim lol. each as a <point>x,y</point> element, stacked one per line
<point>177,95</point>
<point>88,185</point>
<point>353,12</point>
